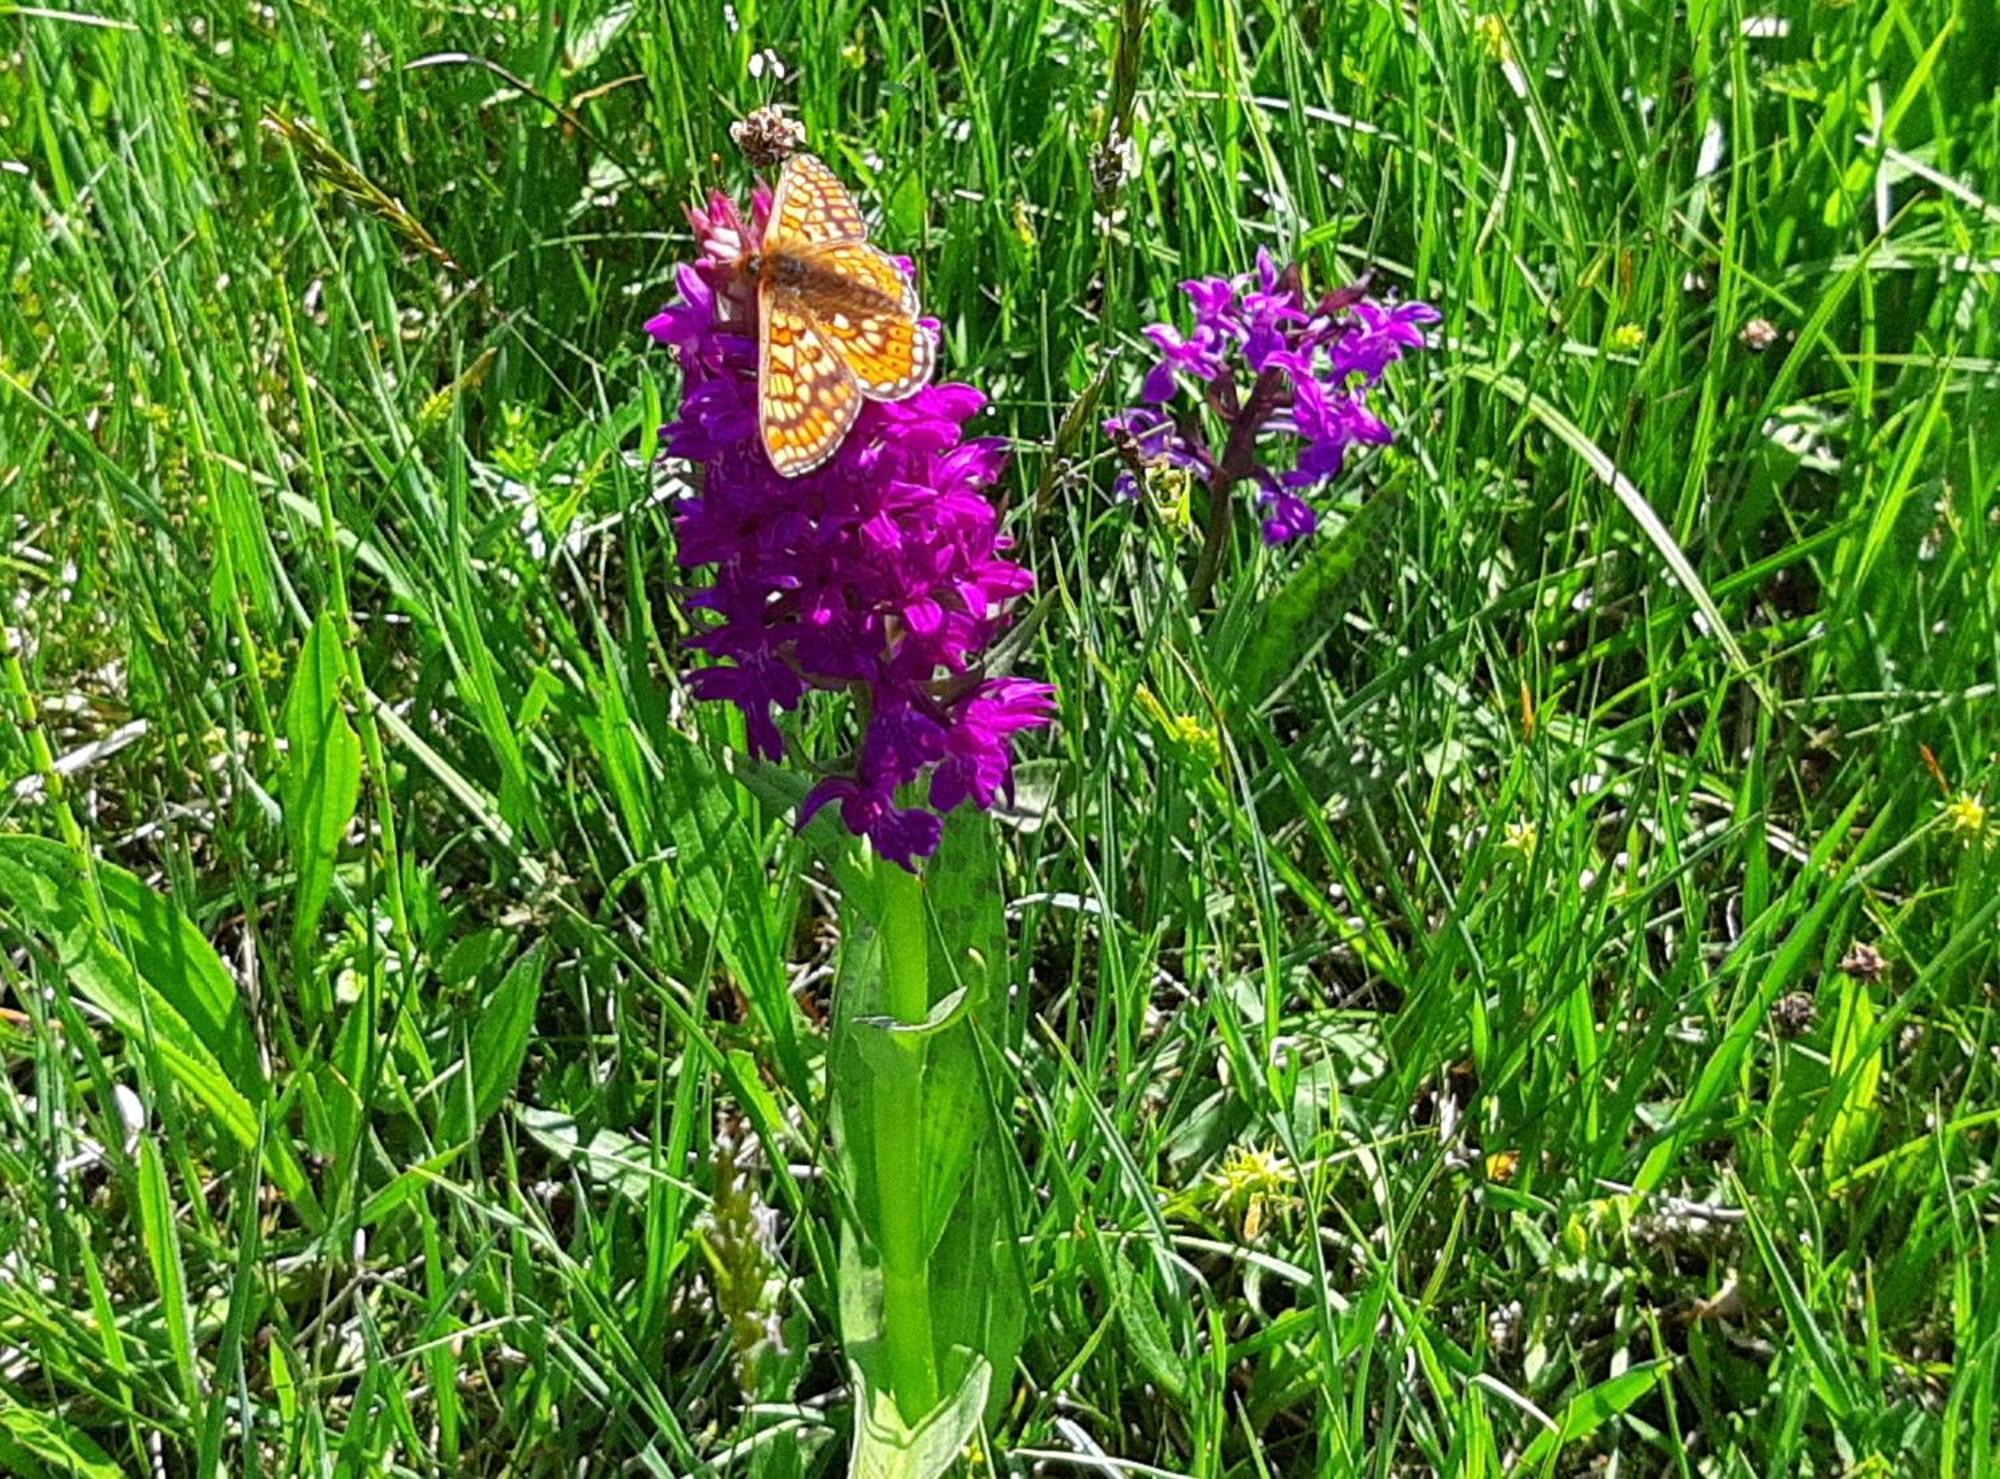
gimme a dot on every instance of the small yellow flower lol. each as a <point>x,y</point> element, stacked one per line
<point>1521,838</point>
<point>1024,224</point>
<point>1628,338</point>
<point>1185,729</point>
<point>1184,732</point>
<point>1966,818</point>
<point>1252,1183</point>
<point>1492,33</point>
<point>1171,492</point>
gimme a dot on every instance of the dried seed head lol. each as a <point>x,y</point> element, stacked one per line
<point>767,137</point>
<point>1112,162</point>
<point>1864,962</point>
<point>1794,1014</point>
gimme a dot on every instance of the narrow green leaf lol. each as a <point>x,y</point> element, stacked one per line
<point>283,1383</point>
<point>1589,1410</point>
<point>1627,492</point>
<point>158,1226</point>
<point>322,780</point>
<point>1772,981</point>
<point>1832,1375</point>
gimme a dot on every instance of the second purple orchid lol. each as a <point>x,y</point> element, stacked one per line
<point>1287,377</point>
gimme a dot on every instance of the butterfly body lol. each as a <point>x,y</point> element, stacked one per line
<point>837,320</point>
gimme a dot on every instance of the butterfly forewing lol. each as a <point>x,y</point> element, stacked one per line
<point>808,397</point>
<point>811,206</point>
<point>843,270</point>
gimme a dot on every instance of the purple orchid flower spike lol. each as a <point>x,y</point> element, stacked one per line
<point>1287,376</point>
<point>883,571</point>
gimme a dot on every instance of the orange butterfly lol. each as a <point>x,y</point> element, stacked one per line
<point>838,320</point>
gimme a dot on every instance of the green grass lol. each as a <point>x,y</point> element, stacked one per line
<point>1506,908</point>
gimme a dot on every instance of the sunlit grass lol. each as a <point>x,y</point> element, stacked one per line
<point>1529,1005</point>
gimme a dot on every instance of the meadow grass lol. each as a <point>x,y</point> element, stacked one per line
<point>1525,1005</point>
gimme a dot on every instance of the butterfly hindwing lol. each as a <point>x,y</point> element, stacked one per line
<point>807,396</point>
<point>890,355</point>
<point>870,320</point>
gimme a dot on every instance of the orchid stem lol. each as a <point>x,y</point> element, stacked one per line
<point>899,1152</point>
<point>1220,511</point>
<point>1235,465</point>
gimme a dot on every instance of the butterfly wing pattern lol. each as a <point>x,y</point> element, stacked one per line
<point>812,205</point>
<point>838,321</point>
<point>888,351</point>
<point>807,398</point>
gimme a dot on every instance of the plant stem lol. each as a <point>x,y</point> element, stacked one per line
<point>899,1151</point>
<point>1234,466</point>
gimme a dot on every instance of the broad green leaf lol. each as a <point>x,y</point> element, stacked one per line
<point>948,1011</point>
<point>322,781</point>
<point>720,871</point>
<point>42,886</point>
<point>1149,1340</point>
<point>498,1047</point>
<point>886,1447</point>
<point>944,1080</point>
<point>613,1159</point>
<point>909,205</point>
<point>159,981</point>
<point>1293,625</point>
<point>1588,1411</point>
<point>36,1443</point>
<point>1855,1068</point>
<point>592,39</point>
